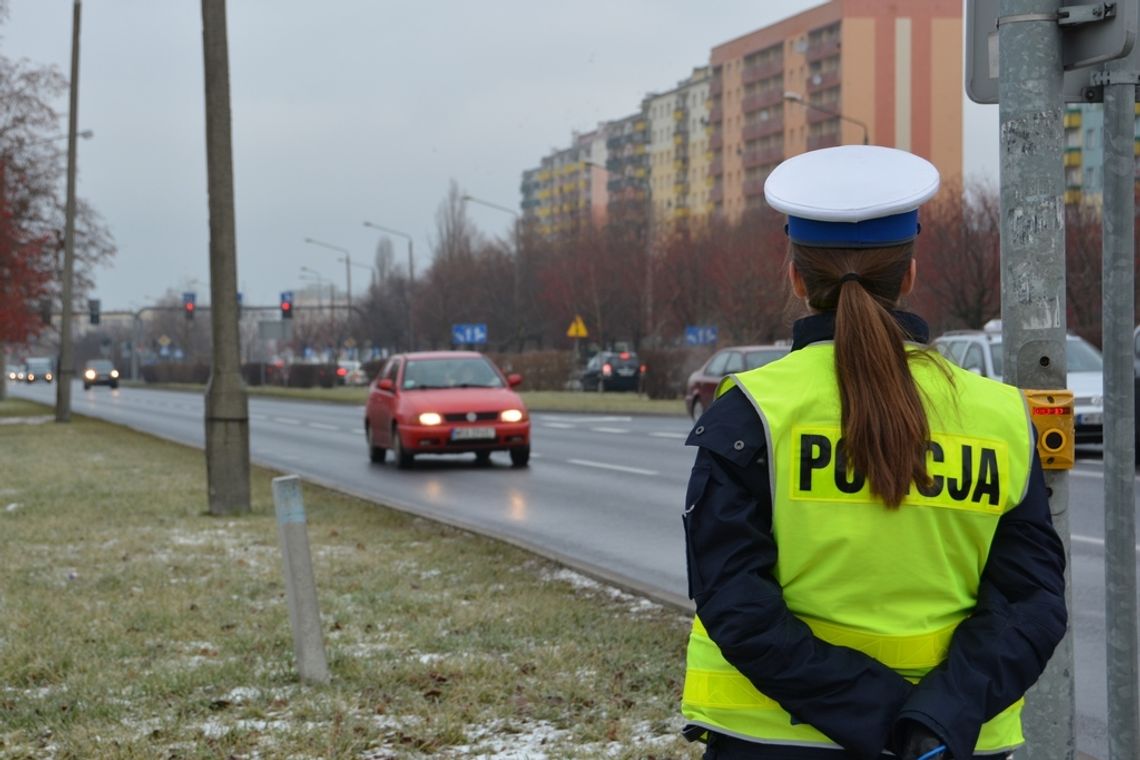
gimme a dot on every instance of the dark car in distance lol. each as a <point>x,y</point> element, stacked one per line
<point>100,372</point>
<point>613,371</point>
<point>701,388</point>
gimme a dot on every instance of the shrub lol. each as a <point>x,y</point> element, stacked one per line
<point>541,370</point>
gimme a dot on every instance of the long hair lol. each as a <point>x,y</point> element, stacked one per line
<point>885,430</point>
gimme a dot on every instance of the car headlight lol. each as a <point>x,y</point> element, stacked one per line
<point>511,415</point>
<point>430,418</point>
<point>48,377</point>
<point>89,374</point>
<point>114,373</point>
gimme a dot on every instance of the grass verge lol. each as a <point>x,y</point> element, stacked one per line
<point>133,625</point>
<point>536,401</point>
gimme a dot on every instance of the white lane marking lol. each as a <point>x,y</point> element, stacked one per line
<point>1098,474</point>
<point>559,425</point>
<point>617,467</point>
<point>609,430</point>
<point>322,426</point>
<point>597,419</point>
<point>681,436</point>
<point>286,421</point>
<point>1095,541</point>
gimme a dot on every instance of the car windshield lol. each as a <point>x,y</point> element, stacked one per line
<point>754,359</point>
<point>1080,356</point>
<point>472,372</point>
<point>39,365</point>
<point>101,365</point>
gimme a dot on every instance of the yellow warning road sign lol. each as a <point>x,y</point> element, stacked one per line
<point>577,328</point>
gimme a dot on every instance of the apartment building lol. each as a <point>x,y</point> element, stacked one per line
<point>1084,153</point>
<point>678,166</point>
<point>568,188</point>
<point>848,71</point>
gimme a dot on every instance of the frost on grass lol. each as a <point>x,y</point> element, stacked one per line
<point>636,604</point>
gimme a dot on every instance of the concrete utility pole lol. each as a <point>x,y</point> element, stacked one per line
<point>1120,79</point>
<point>65,371</point>
<point>227,410</point>
<point>1031,146</point>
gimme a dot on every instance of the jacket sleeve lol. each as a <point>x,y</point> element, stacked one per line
<point>1002,648</point>
<point>848,696</point>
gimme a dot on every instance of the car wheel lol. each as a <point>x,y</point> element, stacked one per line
<point>601,386</point>
<point>87,386</point>
<point>698,409</point>
<point>114,386</point>
<point>520,456</point>
<point>376,453</point>
<point>482,458</point>
<point>402,457</point>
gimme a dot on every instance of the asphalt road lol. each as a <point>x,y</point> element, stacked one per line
<point>603,494</point>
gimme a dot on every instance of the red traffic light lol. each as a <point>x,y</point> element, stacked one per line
<point>286,306</point>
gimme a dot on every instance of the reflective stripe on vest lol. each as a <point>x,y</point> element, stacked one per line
<point>824,518</point>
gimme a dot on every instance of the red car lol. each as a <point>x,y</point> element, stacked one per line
<point>702,384</point>
<point>445,402</point>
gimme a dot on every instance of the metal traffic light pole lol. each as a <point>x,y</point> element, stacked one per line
<point>1031,146</point>
<point>1118,277</point>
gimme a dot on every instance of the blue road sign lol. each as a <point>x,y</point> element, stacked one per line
<point>700,335</point>
<point>469,334</point>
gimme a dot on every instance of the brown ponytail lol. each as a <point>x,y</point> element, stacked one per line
<point>885,430</point>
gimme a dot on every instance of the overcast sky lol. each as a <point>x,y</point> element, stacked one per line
<point>346,110</point>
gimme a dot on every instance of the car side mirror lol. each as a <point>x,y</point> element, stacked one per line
<point>514,380</point>
<point>386,385</point>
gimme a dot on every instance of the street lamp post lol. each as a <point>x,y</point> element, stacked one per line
<point>795,97</point>
<point>321,280</point>
<point>66,361</point>
<point>347,266</point>
<point>411,274</point>
<point>518,256</point>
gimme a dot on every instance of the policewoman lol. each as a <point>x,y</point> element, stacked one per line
<point>870,547</point>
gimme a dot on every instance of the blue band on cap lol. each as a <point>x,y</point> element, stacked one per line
<point>886,230</point>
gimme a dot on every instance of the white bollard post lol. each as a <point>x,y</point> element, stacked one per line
<point>300,588</point>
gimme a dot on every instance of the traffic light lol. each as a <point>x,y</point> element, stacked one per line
<point>188,305</point>
<point>93,310</point>
<point>287,304</point>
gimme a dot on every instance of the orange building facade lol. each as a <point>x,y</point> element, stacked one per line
<point>851,71</point>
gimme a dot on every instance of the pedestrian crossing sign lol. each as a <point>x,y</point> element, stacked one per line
<point>577,328</point>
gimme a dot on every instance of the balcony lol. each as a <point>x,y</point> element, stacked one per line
<point>760,129</point>
<point>753,187</point>
<point>816,114</point>
<point>821,49</point>
<point>757,71</point>
<point>716,86</point>
<point>820,82</point>
<point>823,141</point>
<point>716,140</point>
<point>763,99</point>
<point>716,168</point>
<point>762,157</point>
<point>716,195</point>
<point>716,114</point>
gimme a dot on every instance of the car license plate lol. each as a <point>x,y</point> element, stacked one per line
<point>472,434</point>
<point>1092,418</point>
<point>626,371</point>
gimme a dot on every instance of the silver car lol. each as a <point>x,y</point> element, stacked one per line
<point>981,351</point>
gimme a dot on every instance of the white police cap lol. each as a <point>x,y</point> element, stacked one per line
<point>852,196</point>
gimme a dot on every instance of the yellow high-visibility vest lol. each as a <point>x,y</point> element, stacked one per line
<point>892,583</point>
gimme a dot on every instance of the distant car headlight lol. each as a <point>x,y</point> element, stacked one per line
<point>430,418</point>
<point>114,373</point>
<point>89,374</point>
<point>511,415</point>
<point>48,377</point>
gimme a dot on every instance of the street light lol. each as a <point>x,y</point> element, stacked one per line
<point>795,97</point>
<point>518,256</point>
<point>347,266</point>
<point>411,274</point>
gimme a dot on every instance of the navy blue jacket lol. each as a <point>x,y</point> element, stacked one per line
<point>995,655</point>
